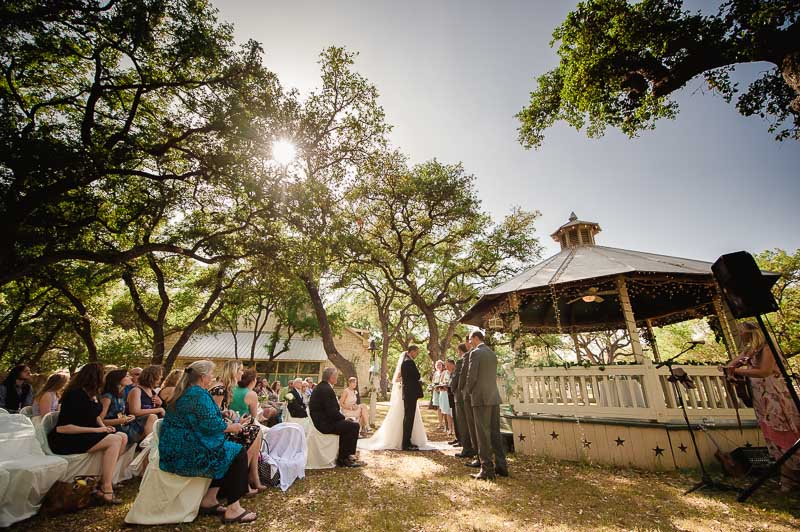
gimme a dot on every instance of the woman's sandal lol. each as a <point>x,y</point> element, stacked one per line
<point>212,510</point>
<point>100,495</point>
<point>240,518</point>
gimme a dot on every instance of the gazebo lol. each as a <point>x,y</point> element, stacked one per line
<point>624,415</point>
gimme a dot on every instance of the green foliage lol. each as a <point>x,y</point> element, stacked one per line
<point>786,322</point>
<point>423,229</point>
<point>620,63</point>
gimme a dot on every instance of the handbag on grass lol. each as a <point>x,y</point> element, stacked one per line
<point>65,497</point>
<point>264,469</point>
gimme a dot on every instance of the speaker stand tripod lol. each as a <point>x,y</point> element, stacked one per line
<point>706,482</point>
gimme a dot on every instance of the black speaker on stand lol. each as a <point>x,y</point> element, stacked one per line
<point>748,293</point>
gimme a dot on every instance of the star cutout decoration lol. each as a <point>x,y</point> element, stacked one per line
<point>659,451</point>
<point>587,443</point>
<point>521,437</point>
<point>620,441</point>
<point>682,447</point>
<point>554,435</point>
<point>748,444</point>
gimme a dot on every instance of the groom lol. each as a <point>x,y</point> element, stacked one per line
<point>412,391</point>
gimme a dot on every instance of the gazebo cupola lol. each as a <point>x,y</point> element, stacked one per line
<point>576,233</point>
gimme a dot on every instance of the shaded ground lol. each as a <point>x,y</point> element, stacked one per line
<point>431,491</point>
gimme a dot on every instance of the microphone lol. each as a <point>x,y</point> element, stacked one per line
<point>697,342</point>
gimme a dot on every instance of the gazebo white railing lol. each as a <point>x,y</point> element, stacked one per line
<point>640,392</point>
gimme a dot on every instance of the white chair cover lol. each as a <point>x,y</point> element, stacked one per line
<point>322,449</point>
<point>83,463</point>
<point>26,474</point>
<point>286,443</point>
<point>3,411</point>
<point>165,498</point>
<point>304,422</point>
<point>26,411</point>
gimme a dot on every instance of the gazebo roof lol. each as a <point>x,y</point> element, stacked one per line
<point>548,296</point>
<point>590,262</point>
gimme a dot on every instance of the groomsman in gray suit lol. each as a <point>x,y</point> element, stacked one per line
<point>469,415</point>
<point>482,388</point>
<point>459,376</point>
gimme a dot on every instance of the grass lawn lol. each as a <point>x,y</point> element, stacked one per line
<point>401,491</point>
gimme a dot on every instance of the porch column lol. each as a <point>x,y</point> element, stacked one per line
<point>654,344</point>
<point>574,337</point>
<point>728,323</point>
<point>630,321</point>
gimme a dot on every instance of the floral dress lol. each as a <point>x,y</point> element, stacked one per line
<point>775,410</point>
<point>249,432</point>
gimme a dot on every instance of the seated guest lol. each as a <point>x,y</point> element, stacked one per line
<point>16,391</point>
<point>250,435</point>
<point>135,373</point>
<point>352,408</point>
<point>328,419</point>
<point>142,399</point>
<point>261,387</point>
<point>294,399</point>
<point>79,429</point>
<point>193,443</point>
<point>245,400</point>
<point>46,400</point>
<point>274,400</point>
<point>168,386</point>
<point>309,388</point>
<point>113,413</point>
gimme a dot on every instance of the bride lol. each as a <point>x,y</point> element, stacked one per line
<point>390,434</point>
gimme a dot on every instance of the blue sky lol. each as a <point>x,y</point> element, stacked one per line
<point>452,74</point>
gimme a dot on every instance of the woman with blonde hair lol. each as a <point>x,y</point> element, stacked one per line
<point>250,436</point>
<point>46,400</point>
<point>776,412</point>
<point>168,386</point>
<point>352,407</point>
<point>193,443</point>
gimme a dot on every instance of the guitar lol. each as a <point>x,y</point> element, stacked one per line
<point>729,465</point>
<point>739,384</point>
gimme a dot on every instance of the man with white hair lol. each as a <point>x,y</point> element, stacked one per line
<point>294,400</point>
<point>328,419</point>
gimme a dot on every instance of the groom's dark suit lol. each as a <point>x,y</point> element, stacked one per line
<point>412,390</point>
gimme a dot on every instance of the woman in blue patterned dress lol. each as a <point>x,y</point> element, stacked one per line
<point>192,443</point>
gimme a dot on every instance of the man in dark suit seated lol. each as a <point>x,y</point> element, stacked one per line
<point>296,406</point>
<point>327,418</point>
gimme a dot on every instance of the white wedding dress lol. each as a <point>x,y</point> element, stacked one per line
<point>390,434</point>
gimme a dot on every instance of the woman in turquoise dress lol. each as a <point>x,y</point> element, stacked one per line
<point>192,443</point>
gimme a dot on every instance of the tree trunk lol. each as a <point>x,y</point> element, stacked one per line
<point>341,363</point>
<point>433,334</point>
<point>790,69</point>
<point>158,345</point>
<point>84,329</point>
<point>384,362</point>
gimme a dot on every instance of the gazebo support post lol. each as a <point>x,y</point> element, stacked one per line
<point>630,321</point>
<point>726,322</point>
<point>578,354</point>
<point>653,343</point>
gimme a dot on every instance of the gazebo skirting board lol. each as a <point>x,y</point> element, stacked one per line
<point>625,442</point>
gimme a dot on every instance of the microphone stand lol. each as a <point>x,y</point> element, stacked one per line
<point>706,482</point>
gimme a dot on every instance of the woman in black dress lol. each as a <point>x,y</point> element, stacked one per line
<point>79,429</point>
